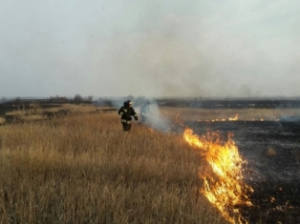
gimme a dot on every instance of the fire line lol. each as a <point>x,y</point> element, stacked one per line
<point>223,184</point>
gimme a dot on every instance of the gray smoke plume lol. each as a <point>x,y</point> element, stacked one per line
<point>153,48</point>
<point>294,118</point>
<point>151,116</point>
<point>147,109</point>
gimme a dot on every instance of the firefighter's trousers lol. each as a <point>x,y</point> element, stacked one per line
<point>126,125</point>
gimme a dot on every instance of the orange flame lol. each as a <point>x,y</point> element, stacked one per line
<point>234,118</point>
<point>224,187</point>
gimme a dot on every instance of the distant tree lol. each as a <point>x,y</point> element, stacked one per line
<point>18,99</point>
<point>77,98</point>
<point>90,99</point>
<point>59,99</point>
<point>3,99</point>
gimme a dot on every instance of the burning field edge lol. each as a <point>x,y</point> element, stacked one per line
<point>85,134</point>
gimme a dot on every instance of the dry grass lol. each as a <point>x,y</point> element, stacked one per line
<point>197,114</point>
<point>38,110</point>
<point>84,169</point>
<point>37,113</point>
<point>2,120</point>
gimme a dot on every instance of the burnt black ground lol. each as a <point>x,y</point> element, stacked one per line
<point>272,150</point>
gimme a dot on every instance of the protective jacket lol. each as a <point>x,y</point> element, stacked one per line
<point>127,113</point>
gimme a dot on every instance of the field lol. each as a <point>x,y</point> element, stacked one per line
<point>84,169</point>
<point>270,144</point>
<point>74,164</point>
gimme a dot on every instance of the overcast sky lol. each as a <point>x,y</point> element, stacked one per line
<point>209,48</point>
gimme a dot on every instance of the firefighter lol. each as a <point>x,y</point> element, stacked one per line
<point>127,112</point>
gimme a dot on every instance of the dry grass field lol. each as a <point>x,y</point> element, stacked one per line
<point>198,114</point>
<point>85,169</point>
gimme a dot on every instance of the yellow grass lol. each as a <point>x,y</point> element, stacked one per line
<point>85,169</point>
<point>36,109</point>
<point>2,120</point>
<point>36,113</point>
<point>197,114</point>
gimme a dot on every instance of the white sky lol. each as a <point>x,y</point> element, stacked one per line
<point>211,48</point>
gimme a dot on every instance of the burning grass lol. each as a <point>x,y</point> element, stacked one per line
<point>223,185</point>
<point>84,169</point>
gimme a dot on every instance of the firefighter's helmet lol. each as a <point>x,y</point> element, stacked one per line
<point>128,103</point>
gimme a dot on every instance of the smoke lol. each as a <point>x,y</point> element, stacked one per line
<point>294,118</point>
<point>151,116</point>
<point>148,112</point>
<point>149,48</point>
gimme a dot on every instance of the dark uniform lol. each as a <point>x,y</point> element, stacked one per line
<point>127,112</point>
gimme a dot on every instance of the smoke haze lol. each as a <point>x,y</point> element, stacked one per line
<point>150,48</point>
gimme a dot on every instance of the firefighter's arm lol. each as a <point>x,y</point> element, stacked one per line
<point>134,115</point>
<point>121,112</point>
